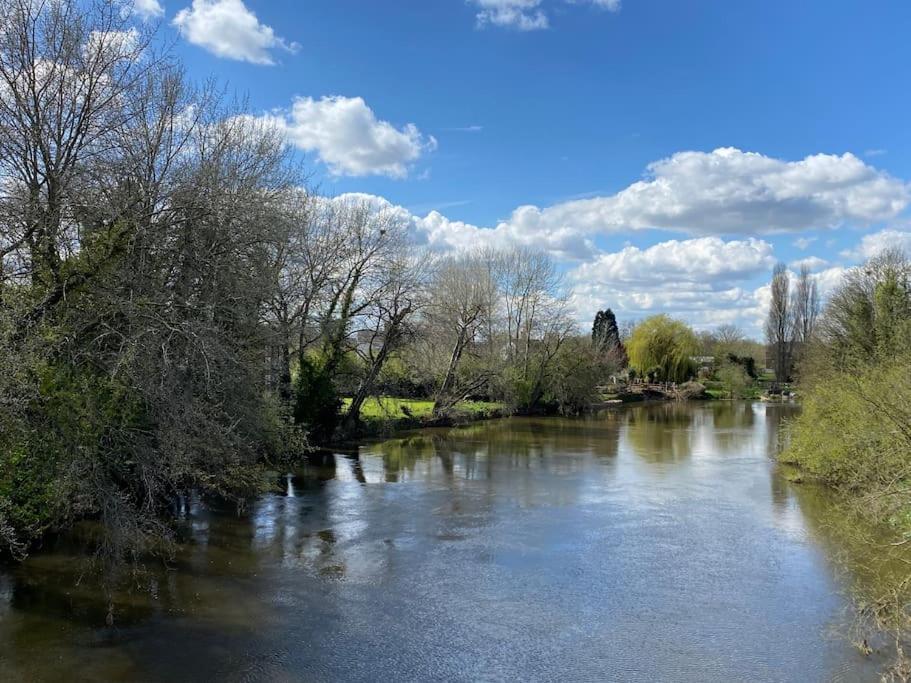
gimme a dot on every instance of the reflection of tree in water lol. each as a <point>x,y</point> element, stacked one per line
<point>868,560</point>
<point>863,555</point>
<point>661,433</point>
<point>732,414</point>
<point>729,425</point>
<point>511,444</point>
<point>402,455</point>
<point>776,419</point>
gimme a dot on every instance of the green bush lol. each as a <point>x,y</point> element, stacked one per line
<point>855,428</point>
<point>317,402</point>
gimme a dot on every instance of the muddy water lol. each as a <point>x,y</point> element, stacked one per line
<point>647,544</point>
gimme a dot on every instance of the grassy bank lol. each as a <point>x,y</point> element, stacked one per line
<point>386,414</point>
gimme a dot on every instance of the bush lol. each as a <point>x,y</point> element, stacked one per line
<point>316,402</point>
<point>855,429</point>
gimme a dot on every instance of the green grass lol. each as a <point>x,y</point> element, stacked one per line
<point>390,408</point>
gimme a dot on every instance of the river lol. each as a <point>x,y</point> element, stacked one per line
<point>650,543</point>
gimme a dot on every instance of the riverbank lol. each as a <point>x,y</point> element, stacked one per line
<point>455,546</point>
<point>388,415</point>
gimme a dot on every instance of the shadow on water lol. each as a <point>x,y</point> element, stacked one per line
<point>521,548</point>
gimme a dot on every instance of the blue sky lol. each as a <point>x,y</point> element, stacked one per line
<point>667,152</point>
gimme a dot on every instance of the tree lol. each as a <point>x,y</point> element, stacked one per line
<point>734,378</point>
<point>662,347</point>
<point>805,306</point>
<point>606,337</point>
<point>866,316</point>
<point>779,327</point>
<point>136,231</point>
<point>729,336</point>
<point>535,305</point>
<point>389,326</point>
<point>346,272</point>
<point>459,311</point>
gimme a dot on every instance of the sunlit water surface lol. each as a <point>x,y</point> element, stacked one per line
<point>654,543</point>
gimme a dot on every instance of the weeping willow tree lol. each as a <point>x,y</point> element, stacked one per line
<point>662,348</point>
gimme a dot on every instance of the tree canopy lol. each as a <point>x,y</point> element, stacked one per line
<point>662,348</point>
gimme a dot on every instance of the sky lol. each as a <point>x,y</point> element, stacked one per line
<point>667,153</point>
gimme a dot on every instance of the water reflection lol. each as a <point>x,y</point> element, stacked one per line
<point>533,548</point>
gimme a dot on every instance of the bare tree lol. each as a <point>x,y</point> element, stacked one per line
<point>388,325</point>
<point>729,335</point>
<point>780,323</point>
<point>460,310</point>
<point>805,306</point>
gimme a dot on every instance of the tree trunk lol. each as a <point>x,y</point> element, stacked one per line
<point>450,373</point>
<point>366,385</point>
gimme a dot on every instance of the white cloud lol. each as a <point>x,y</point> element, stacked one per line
<point>705,259</point>
<point>803,243</point>
<point>701,280</point>
<point>813,263</point>
<point>121,44</point>
<point>877,242</point>
<point>728,191</point>
<point>725,192</point>
<point>706,281</point>
<point>227,28</point>
<point>524,15</point>
<point>346,135</point>
<point>829,279</point>
<point>148,9</point>
<point>609,5</point>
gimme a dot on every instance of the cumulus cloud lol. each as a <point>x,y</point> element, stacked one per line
<point>728,191</point>
<point>706,259</point>
<point>148,9</point>
<point>724,192</point>
<point>348,137</point>
<point>877,242</point>
<point>609,5</point>
<point>227,28</point>
<point>703,280</point>
<point>444,235</point>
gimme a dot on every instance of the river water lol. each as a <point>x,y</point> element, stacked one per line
<point>651,543</point>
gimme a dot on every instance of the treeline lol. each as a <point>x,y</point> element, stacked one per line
<point>176,312</point>
<point>854,432</point>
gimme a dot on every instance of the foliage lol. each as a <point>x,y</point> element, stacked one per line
<point>662,348</point>
<point>747,363</point>
<point>734,379</point>
<point>579,370</point>
<point>854,432</point>
<point>855,428</point>
<point>317,401</point>
<point>389,408</point>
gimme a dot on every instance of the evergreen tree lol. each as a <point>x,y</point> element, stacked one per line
<point>605,334</point>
